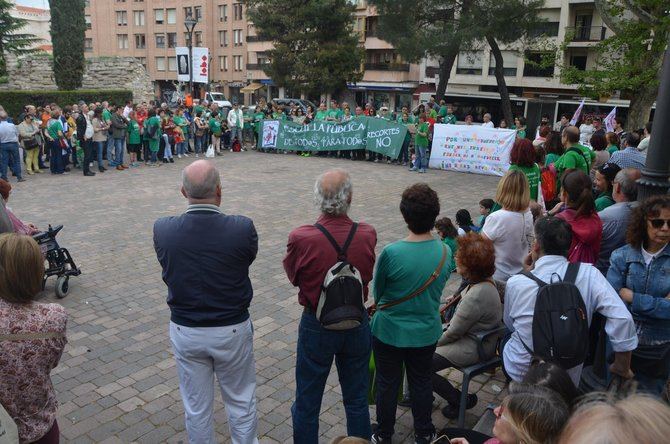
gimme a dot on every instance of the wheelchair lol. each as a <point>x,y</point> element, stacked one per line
<point>59,261</point>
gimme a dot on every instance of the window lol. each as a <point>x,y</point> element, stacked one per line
<point>120,1</point>
<point>122,41</point>
<point>121,18</point>
<point>578,61</point>
<point>88,44</point>
<point>223,13</point>
<point>160,63</point>
<point>159,15</point>
<point>141,1</point>
<point>198,38</point>
<point>237,37</point>
<point>547,29</point>
<point>171,16</point>
<point>188,11</point>
<point>160,40</point>
<point>87,20</point>
<point>140,41</point>
<point>138,18</point>
<point>237,11</point>
<point>238,62</point>
<point>172,39</point>
<point>509,64</point>
<point>172,63</point>
<point>469,62</point>
<point>223,38</point>
<point>198,13</point>
<point>223,63</point>
<point>536,64</point>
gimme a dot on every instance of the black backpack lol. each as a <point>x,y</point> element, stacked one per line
<point>560,324</point>
<point>341,304</point>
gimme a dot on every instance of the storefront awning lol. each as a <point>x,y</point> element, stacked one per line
<point>252,87</point>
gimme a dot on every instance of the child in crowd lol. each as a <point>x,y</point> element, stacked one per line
<point>464,221</point>
<point>485,207</point>
<point>447,231</point>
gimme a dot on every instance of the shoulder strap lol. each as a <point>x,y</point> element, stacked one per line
<point>571,272</point>
<point>430,280</point>
<point>341,251</point>
<point>530,275</point>
<point>581,153</point>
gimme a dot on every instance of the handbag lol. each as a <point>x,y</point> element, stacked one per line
<point>30,143</point>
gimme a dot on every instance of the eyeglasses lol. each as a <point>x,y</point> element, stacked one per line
<point>658,223</point>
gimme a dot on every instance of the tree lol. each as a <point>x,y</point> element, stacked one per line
<point>68,28</point>
<point>12,41</point>
<point>420,30</point>
<point>629,61</point>
<point>315,48</point>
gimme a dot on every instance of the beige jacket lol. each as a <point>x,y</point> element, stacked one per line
<point>479,310</point>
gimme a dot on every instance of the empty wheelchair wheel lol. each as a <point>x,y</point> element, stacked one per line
<point>62,286</point>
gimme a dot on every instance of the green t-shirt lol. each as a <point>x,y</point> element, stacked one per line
<point>603,201</point>
<point>402,268</point>
<point>432,114</point>
<point>134,133</point>
<point>533,175</point>
<point>215,126</point>
<point>443,111</point>
<point>453,247</point>
<point>335,114</point>
<point>154,142</point>
<point>420,140</point>
<point>612,149</point>
<point>410,120</point>
<point>182,123</point>
<point>450,118</point>
<point>521,133</point>
<point>258,119</point>
<point>572,158</point>
<point>279,116</point>
<point>106,115</point>
<point>198,109</point>
<point>54,127</point>
<point>321,115</point>
<point>551,158</point>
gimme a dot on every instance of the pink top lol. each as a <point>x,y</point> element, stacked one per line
<point>26,391</point>
<point>19,227</point>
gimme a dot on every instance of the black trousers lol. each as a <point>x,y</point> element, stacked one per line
<point>389,363</point>
<point>87,146</point>
<point>441,385</point>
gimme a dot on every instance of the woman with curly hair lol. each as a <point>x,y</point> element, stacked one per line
<point>638,272</point>
<point>479,310</point>
<point>522,158</point>
<point>410,276</point>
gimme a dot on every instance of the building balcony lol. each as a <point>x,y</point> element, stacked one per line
<point>255,38</point>
<point>432,71</point>
<point>581,34</point>
<point>256,66</point>
<point>404,67</point>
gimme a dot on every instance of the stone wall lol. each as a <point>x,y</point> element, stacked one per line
<point>35,73</point>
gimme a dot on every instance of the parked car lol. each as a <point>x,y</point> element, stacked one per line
<point>219,99</point>
<point>300,102</point>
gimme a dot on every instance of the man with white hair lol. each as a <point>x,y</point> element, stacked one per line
<point>311,253</point>
<point>9,148</point>
<point>206,256</point>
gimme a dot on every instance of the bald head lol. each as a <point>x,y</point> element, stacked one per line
<point>333,191</point>
<point>201,183</point>
<point>571,134</point>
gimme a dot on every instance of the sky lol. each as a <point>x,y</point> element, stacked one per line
<point>35,3</point>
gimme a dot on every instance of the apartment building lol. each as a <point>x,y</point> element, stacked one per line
<point>150,30</point>
<point>38,24</point>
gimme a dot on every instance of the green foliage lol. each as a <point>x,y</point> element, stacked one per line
<point>11,40</point>
<point>68,28</point>
<point>14,101</point>
<point>315,49</point>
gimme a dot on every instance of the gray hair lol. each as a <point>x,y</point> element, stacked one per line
<point>204,188</point>
<point>627,179</point>
<point>334,201</point>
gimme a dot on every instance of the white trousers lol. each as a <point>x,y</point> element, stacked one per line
<point>228,353</point>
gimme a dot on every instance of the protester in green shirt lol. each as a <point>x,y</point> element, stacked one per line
<point>322,113</point>
<point>576,156</point>
<point>522,158</point>
<point>405,335</point>
<point>448,233</point>
<point>154,134</point>
<point>421,145</point>
<point>444,109</point>
<point>520,125</point>
<point>216,131</point>
<point>604,184</point>
<point>612,142</point>
<point>450,117</point>
<point>134,139</point>
<point>334,114</point>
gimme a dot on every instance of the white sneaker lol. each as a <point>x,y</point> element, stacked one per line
<point>231,150</point>
<point>197,155</point>
<point>185,155</point>
<point>178,156</point>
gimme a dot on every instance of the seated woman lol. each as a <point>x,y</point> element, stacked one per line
<point>19,227</point>
<point>33,338</point>
<point>639,273</point>
<point>447,232</point>
<point>464,222</point>
<point>479,310</point>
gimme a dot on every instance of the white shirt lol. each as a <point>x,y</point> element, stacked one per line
<point>512,234</point>
<point>585,133</point>
<point>232,121</point>
<point>89,128</point>
<point>126,111</point>
<point>488,124</point>
<point>461,232</point>
<point>648,257</point>
<point>598,295</point>
<point>9,133</point>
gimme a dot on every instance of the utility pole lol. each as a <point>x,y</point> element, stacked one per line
<point>190,24</point>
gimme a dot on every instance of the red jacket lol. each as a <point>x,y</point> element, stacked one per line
<point>587,232</point>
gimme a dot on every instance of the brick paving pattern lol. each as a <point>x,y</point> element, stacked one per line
<point>117,381</point>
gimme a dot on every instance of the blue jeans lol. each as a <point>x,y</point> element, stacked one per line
<point>99,146</point>
<point>200,143</point>
<point>56,164</point>
<point>181,148</point>
<point>235,131</point>
<point>10,150</point>
<point>168,148</point>
<point>110,152</point>
<point>316,349</point>
<point>118,151</point>
<point>421,161</point>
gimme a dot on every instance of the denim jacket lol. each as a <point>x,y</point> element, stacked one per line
<point>650,286</point>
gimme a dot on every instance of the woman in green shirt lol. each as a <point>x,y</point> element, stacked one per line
<point>56,143</point>
<point>522,158</point>
<point>421,145</point>
<point>134,139</point>
<point>612,142</point>
<point>405,332</point>
<point>604,184</point>
<point>520,126</point>
<point>154,134</point>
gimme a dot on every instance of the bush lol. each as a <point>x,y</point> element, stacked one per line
<point>14,101</point>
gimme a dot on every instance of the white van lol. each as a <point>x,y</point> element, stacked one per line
<point>219,99</point>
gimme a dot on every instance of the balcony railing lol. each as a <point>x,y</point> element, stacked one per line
<point>432,71</point>
<point>255,38</point>
<point>586,33</point>
<point>256,66</point>
<point>387,67</point>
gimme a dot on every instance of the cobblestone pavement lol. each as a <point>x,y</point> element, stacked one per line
<point>117,381</point>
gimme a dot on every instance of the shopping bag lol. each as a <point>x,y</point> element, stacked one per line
<point>372,374</point>
<point>210,151</point>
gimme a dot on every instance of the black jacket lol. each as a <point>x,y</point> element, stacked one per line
<point>81,126</point>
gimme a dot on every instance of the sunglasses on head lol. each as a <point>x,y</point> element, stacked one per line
<point>658,223</point>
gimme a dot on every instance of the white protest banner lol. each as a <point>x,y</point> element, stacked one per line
<point>183,65</point>
<point>200,65</point>
<point>471,149</point>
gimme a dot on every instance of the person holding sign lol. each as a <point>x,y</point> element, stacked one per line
<point>421,145</point>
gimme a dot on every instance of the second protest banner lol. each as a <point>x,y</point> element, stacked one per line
<point>378,135</point>
<point>471,149</point>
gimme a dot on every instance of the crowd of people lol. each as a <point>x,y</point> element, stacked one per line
<point>568,222</point>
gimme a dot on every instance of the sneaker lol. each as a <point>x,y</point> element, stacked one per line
<point>425,439</point>
<point>450,411</point>
<point>376,439</point>
<point>422,170</point>
<point>185,155</point>
<point>172,160</point>
<point>231,150</point>
<point>178,156</point>
<point>21,179</point>
<point>413,169</point>
<point>197,155</point>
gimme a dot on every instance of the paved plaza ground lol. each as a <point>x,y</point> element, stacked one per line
<point>117,380</point>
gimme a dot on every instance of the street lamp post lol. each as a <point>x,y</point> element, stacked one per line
<point>190,24</point>
<point>656,172</point>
